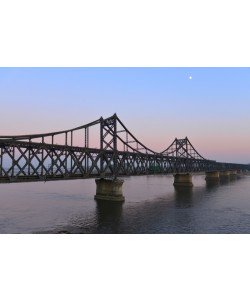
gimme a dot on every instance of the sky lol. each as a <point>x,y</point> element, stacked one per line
<point>211,106</point>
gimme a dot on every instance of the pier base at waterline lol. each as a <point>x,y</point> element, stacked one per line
<point>212,176</point>
<point>233,174</point>
<point>109,189</point>
<point>183,180</point>
<point>224,175</point>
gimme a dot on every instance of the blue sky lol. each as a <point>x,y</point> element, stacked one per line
<point>156,104</point>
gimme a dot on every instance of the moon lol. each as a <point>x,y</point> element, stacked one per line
<point>190,77</point>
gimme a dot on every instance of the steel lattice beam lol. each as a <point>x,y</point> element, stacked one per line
<point>38,157</point>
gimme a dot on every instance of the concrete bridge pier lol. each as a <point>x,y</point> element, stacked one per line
<point>109,189</point>
<point>224,175</point>
<point>183,180</point>
<point>212,176</point>
<point>233,174</point>
<point>239,173</point>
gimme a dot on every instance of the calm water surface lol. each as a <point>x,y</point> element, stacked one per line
<point>152,206</point>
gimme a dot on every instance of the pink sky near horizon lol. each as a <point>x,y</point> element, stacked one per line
<point>156,104</point>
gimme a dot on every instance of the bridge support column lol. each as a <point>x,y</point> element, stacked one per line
<point>109,189</point>
<point>233,174</point>
<point>239,173</point>
<point>212,176</point>
<point>224,174</point>
<point>183,180</point>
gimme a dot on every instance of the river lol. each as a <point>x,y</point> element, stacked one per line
<point>152,205</point>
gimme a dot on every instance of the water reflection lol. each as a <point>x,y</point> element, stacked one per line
<point>152,205</point>
<point>108,215</point>
<point>212,184</point>
<point>224,180</point>
<point>183,196</point>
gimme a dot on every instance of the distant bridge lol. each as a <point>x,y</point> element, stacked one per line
<point>59,155</point>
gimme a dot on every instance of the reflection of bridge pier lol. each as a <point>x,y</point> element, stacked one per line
<point>183,196</point>
<point>211,184</point>
<point>108,215</point>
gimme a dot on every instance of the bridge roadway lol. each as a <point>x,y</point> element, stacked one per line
<point>37,157</point>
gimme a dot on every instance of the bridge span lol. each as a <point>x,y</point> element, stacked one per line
<point>68,154</point>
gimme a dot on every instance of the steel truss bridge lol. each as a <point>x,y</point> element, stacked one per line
<point>68,155</point>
